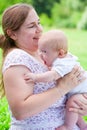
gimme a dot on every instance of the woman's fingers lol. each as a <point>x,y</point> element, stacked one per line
<point>82,105</point>
<point>84,95</point>
<point>77,75</point>
<point>77,110</point>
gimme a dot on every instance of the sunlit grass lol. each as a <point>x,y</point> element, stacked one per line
<point>78,44</point>
<point>4,115</point>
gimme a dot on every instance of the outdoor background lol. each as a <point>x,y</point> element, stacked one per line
<point>68,15</point>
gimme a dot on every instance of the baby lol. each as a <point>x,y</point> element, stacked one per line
<point>53,49</point>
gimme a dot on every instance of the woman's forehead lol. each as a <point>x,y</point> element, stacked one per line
<point>32,17</point>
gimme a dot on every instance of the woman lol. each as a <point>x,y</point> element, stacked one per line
<point>33,106</point>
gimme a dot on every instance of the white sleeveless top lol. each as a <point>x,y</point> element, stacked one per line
<point>48,119</point>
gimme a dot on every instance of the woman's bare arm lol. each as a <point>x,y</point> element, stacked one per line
<point>21,99</point>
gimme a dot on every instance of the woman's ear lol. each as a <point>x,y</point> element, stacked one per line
<point>11,34</point>
<point>61,53</point>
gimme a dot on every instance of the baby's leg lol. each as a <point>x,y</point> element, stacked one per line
<point>71,118</point>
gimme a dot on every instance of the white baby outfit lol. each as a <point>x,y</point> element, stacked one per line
<point>65,65</point>
<point>50,118</point>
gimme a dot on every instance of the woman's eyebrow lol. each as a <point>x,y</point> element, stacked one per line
<point>32,23</point>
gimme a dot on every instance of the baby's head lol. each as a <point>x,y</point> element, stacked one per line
<point>53,43</point>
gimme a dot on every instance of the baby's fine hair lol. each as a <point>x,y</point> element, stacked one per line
<point>55,39</point>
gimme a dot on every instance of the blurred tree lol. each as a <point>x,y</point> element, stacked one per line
<point>4,4</point>
<point>83,22</point>
<point>42,6</point>
<point>76,4</point>
<point>68,11</point>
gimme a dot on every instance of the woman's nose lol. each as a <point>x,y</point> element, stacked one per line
<point>39,28</point>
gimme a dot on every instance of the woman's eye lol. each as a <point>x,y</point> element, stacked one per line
<point>31,26</point>
<point>39,23</point>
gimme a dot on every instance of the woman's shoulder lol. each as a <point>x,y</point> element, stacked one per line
<point>17,57</point>
<point>16,53</point>
<point>21,57</point>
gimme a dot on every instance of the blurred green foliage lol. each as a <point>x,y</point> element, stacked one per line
<point>83,22</point>
<point>61,13</point>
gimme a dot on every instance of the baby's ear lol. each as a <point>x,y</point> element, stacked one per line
<point>61,53</point>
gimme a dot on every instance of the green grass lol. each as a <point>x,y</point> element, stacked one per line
<point>4,115</point>
<point>77,45</point>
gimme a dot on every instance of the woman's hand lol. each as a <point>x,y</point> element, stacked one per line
<point>71,80</point>
<point>82,105</point>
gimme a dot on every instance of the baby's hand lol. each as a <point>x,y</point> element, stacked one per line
<point>29,77</point>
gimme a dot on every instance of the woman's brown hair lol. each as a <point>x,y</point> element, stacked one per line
<point>12,19</point>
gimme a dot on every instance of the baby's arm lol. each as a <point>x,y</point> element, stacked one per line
<point>43,77</point>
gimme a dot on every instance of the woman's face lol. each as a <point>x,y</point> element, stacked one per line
<point>29,33</point>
